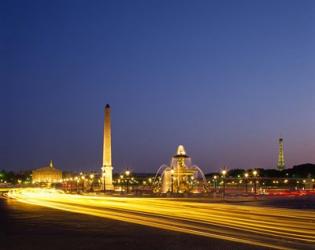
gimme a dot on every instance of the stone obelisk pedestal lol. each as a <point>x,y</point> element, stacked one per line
<point>107,168</point>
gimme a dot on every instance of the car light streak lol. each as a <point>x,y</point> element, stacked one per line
<point>267,227</point>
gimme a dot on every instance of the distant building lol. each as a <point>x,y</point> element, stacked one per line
<point>281,162</point>
<point>47,174</point>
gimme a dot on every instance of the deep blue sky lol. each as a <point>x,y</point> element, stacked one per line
<point>224,78</point>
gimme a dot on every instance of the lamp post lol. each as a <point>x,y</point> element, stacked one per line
<point>255,188</point>
<point>77,180</point>
<point>223,175</point>
<point>121,178</point>
<point>70,184</point>
<point>127,173</point>
<point>92,181</point>
<point>83,180</point>
<point>246,179</point>
<point>215,183</point>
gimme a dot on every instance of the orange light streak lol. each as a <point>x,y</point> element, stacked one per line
<point>261,226</point>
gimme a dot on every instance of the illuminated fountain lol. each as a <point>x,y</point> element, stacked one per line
<point>181,176</point>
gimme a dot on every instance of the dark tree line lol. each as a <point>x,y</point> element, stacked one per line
<point>14,177</point>
<point>300,171</point>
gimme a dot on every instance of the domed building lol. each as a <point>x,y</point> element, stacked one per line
<point>47,174</point>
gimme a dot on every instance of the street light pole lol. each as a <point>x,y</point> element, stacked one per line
<point>92,181</point>
<point>215,183</point>
<point>223,174</point>
<point>121,177</point>
<point>127,173</point>
<point>127,186</point>
<point>83,180</point>
<point>246,176</point>
<point>255,188</point>
<point>77,180</point>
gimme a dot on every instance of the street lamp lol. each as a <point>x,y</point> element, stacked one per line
<point>77,180</point>
<point>223,175</point>
<point>121,177</point>
<point>83,180</point>
<point>92,181</point>
<point>215,183</point>
<point>127,173</point>
<point>246,177</point>
<point>255,174</point>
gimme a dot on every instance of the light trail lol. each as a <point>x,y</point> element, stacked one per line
<point>267,227</point>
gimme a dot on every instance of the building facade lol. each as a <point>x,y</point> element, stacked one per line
<point>47,174</point>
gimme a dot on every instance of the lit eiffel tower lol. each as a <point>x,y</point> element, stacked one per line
<point>281,163</point>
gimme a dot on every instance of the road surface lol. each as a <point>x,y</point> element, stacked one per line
<point>276,228</point>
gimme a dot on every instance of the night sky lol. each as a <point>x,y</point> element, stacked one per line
<point>223,78</point>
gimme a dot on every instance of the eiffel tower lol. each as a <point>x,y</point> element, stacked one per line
<point>281,163</point>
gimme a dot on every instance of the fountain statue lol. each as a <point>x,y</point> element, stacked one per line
<point>181,176</point>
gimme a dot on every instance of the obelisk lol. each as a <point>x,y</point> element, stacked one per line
<point>107,168</point>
